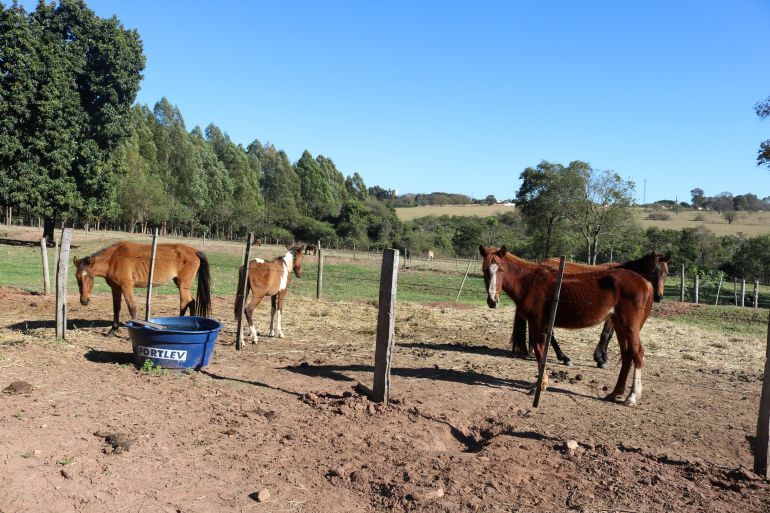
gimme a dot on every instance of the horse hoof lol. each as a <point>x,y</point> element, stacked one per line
<point>567,362</point>
<point>110,333</point>
<point>630,401</point>
<point>613,398</point>
<point>601,365</point>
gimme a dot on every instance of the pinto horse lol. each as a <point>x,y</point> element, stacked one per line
<point>268,279</point>
<point>126,265</point>
<point>652,266</point>
<point>587,299</point>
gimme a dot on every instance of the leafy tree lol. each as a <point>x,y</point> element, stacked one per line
<point>318,199</point>
<point>698,197</point>
<point>545,199</point>
<point>83,73</point>
<point>356,188</point>
<point>490,200</point>
<point>730,216</point>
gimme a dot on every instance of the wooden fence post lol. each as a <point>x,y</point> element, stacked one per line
<point>756,294</point>
<point>46,275</point>
<point>62,266</point>
<point>151,274</point>
<point>735,291</point>
<point>386,321</point>
<point>721,277</point>
<point>681,286</point>
<point>320,278</point>
<point>761,453</point>
<point>243,280</point>
<point>549,333</point>
<point>743,291</point>
<point>463,282</point>
<point>697,287</point>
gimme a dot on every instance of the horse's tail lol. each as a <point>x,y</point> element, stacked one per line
<point>238,292</point>
<point>203,297</point>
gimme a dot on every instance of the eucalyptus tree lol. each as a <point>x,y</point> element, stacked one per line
<point>763,154</point>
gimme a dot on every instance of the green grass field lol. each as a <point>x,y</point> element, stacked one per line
<point>749,224</point>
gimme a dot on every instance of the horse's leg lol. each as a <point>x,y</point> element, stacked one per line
<point>563,358</point>
<point>275,315</point>
<point>626,362</point>
<point>537,340</point>
<point>637,354</point>
<point>600,353</point>
<point>519,337</point>
<point>128,294</point>
<point>115,311</point>
<point>273,307</point>
<point>248,311</point>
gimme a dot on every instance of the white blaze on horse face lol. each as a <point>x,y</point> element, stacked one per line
<point>493,282</point>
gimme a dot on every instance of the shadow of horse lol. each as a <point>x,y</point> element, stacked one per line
<point>479,350</point>
<point>336,373</point>
<point>71,324</point>
<point>111,357</point>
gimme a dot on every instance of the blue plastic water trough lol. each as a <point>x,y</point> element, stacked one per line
<point>174,342</point>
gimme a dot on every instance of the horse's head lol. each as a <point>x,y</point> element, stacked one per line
<point>492,269</point>
<point>85,277</point>
<point>661,273</point>
<point>298,251</point>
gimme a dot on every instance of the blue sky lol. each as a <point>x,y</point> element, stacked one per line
<point>461,97</point>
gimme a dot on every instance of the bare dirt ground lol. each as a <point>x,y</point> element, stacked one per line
<point>280,421</point>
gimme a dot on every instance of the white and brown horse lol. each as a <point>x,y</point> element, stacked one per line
<point>587,299</point>
<point>126,265</point>
<point>268,279</point>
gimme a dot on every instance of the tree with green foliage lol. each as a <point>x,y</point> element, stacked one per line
<point>356,188</point>
<point>546,198</point>
<point>81,74</point>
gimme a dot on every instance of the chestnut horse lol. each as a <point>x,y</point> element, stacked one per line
<point>652,266</point>
<point>268,279</point>
<point>587,299</point>
<point>126,265</point>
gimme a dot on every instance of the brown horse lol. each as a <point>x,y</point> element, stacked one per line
<point>311,249</point>
<point>587,299</point>
<point>269,279</point>
<point>126,265</point>
<point>652,266</point>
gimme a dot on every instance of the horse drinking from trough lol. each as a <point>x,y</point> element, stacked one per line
<point>587,299</point>
<point>126,265</point>
<point>652,266</point>
<point>268,279</point>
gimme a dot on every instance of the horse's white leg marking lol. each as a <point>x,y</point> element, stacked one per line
<point>253,333</point>
<point>272,318</point>
<point>636,388</point>
<point>492,282</point>
<point>278,316</point>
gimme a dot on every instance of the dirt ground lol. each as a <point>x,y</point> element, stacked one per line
<point>279,426</point>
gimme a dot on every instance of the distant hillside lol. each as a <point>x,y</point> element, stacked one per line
<point>749,224</point>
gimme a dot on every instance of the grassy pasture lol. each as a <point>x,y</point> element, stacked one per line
<point>749,224</point>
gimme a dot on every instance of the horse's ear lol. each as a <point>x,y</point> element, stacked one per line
<point>483,250</point>
<point>502,251</point>
<point>75,261</point>
<point>665,258</point>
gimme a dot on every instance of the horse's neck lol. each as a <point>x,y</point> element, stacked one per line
<point>641,266</point>
<point>517,271</point>
<point>100,262</point>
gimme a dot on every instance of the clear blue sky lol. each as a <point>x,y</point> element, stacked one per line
<point>461,97</point>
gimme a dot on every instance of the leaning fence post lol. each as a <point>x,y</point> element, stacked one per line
<point>735,290</point>
<point>549,333</point>
<point>320,278</point>
<point>46,276</point>
<point>721,277</point>
<point>697,287</point>
<point>761,453</point>
<point>756,294</point>
<point>463,282</point>
<point>743,291</point>
<point>386,321</point>
<point>681,286</point>
<point>61,283</point>
<point>151,274</point>
<point>243,281</point>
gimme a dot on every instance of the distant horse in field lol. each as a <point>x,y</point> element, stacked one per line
<point>257,242</point>
<point>311,249</point>
<point>430,255</point>
<point>126,265</point>
<point>587,299</point>
<point>652,266</point>
<point>268,279</point>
